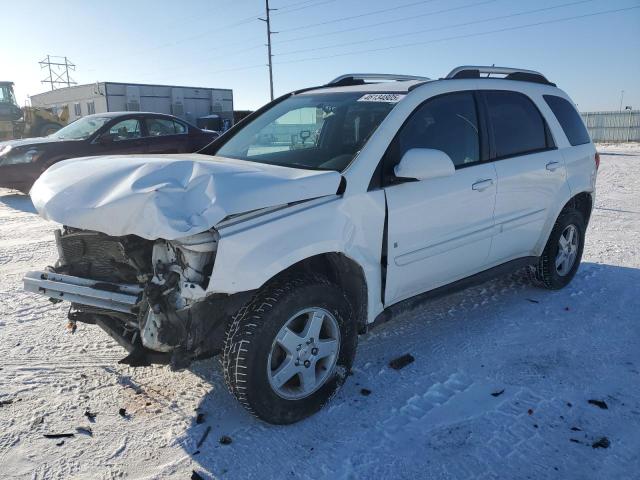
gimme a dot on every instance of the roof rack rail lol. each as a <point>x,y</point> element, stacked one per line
<point>519,74</point>
<point>361,78</point>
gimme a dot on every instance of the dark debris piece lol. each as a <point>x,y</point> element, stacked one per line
<point>575,440</point>
<point>122,412</point>
<point>601,443</point>
<point>365,391</point>
<point>90,415</point>
<point>196,476</point>
<point>60,443</point>
<point>6,402</point>
<point>532,300</point>
<point>576,429</point>
<point>599,404</point>
<point>59,435</point>
<point>200,418</point>
<point>225,440</point>
<point>401,362</point>
<point>498,393</point>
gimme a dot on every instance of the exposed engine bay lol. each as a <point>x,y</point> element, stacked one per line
<point>150,295</point>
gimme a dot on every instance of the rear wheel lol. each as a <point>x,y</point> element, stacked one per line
<point>561,257</point>
<point>289,350</point>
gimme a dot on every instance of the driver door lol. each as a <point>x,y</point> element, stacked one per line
<point>439,230</point>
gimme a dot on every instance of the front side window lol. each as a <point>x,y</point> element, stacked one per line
<point>125,130</point>
<point>316,131</point>
<point>518,126</point>
<point>569,119</point>
<point>448,123</point>
<point>81,129</point>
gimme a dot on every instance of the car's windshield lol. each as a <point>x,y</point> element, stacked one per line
<point>81,129</point>
<point>316,131</point>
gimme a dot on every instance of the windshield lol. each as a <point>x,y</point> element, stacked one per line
<point>321,131</point>
<point>81,129</point>
<point>6,95</point>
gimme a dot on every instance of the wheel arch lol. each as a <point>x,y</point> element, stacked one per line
<point>340,270</point>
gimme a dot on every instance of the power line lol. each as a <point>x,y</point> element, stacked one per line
<point>292,7</point>
<point>455,37</point>
<point>344,19</point>
<point>377,24</point>
<point>444,27</point>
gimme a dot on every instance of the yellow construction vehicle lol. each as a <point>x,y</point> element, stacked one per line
<point>16,122</point>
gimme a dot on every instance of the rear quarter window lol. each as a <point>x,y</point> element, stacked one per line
<point>569,119</point>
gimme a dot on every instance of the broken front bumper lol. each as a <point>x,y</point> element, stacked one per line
<point>109,296</point>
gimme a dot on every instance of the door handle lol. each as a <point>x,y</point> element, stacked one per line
<point>481,185</point>
<point>552,166</point>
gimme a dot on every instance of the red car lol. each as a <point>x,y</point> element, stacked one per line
<point>120,133</point>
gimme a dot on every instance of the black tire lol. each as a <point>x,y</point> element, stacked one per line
<point>250,336</point>
<point>545,274</point>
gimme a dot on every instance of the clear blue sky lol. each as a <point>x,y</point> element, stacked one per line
<point>219,43</point>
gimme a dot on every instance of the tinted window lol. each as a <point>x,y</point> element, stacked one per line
<point>448,123</point>
<point>569,120</point>
<point>518,126</point>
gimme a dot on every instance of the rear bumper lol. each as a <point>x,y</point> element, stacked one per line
<point>108,296</point>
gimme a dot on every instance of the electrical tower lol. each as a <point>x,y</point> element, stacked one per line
<point>58,71</point>
<point>269,33</point>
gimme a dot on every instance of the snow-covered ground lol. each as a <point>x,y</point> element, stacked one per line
<point>547,352</point>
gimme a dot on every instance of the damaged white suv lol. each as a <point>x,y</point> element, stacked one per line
<point>286,237</point>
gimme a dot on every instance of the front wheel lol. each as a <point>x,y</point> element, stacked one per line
<point>289,350</point>
<point>561,257</point>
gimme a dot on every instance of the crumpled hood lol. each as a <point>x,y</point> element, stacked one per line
<point>168,196</point>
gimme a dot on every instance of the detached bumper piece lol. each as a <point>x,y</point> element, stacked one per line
<point>105,295</point>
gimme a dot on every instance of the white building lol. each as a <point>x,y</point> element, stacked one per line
<point>189,103</point>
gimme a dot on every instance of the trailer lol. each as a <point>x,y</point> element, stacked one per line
<point>188,103</point>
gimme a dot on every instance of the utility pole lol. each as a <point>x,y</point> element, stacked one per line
<point>621,97</point>
<point>270,56</point>
<point>58,71</point>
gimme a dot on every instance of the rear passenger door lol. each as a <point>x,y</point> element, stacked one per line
<point>530,170</point>
<point>439,230</point>
<point>166,135</point>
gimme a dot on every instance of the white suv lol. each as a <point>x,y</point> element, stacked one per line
<point>286,237</point>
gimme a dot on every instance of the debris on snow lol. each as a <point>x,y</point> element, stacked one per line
<point>498,393</point>
<point>196,476</point>
<point>533,301</point>
<point>6,402</point>
<point>200,418</point>
<point>225,440</point>
<point>401,362</point>
<point>365,391</point>
<point>123,412</point>
<point>90,415</point>
<point>59,435</point>
<point>599,403</point>
<point>601,443</point>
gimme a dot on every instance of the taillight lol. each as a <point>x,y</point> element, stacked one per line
<point>597,159</point>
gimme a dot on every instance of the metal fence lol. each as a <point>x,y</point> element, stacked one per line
<point>613,127</point>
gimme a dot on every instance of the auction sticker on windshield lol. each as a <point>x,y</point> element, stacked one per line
<point>382,97</point>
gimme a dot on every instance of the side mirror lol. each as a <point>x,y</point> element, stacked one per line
<point>424,163</point>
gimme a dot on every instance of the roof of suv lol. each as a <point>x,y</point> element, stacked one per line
<point>405,83</point>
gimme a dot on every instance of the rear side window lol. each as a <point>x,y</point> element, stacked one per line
<point>569,120</point>
<point>518,126</point>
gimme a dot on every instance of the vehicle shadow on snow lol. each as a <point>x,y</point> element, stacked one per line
<point>17,201</point>
<point>436,332</point>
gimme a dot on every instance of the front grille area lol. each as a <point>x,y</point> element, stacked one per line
<point>97,256</point>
